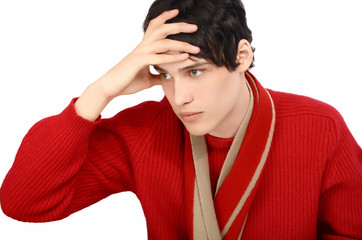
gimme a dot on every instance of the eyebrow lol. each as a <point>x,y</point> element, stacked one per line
<point>190,67</point>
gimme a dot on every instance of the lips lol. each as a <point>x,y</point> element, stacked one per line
<point>189,116</point>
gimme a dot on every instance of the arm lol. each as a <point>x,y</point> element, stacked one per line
<point>63,166</point>
<point>340,208</point>
<point>69,161</point>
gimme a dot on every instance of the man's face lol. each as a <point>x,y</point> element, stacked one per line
<point>206,98</point>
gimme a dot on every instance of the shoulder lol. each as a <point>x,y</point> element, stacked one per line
<point>308,113</point>
<point>289,105</point>
<point>305,120</point>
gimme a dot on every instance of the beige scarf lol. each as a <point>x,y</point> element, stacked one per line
<point>224,215</point>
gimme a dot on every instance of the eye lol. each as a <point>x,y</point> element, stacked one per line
<point>195,73</point>
<point>165,76</point>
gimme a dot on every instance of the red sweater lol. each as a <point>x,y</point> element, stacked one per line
<point>311,187</point>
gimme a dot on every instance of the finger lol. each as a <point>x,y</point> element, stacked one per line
<point>169,29</point>
<point>161,19</point>
<point>167,58</point>
<point>168,45</point>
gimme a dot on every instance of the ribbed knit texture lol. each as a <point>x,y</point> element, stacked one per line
<point>311,187</point>
<point>217,149</point>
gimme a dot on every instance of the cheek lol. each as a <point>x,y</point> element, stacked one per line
<point>221,95</point>
<point>216,90</point>
<point>167,89</point>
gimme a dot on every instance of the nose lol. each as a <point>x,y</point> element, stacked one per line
<point>182,92</point>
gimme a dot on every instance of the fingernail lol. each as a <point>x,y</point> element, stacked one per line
<point>194,26</point>
<point>194,48</point>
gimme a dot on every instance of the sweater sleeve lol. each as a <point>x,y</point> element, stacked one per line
<point>340,208</point>
<point>66,163</point>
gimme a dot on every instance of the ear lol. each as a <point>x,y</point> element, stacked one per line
<point>244,55</point>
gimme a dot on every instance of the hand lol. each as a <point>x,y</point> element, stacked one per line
<point>132,73</point>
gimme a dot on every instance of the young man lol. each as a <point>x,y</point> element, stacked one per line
<point>220,157</point>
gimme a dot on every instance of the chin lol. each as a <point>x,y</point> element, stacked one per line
<point>196,131</point>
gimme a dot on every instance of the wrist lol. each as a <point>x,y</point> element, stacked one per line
<point>92,102</point>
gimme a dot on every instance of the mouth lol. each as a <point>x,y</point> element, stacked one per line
<point>189,116</point>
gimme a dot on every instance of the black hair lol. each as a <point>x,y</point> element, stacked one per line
<point>221,25</point>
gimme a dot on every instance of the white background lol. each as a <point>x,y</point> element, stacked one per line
<point>50,51</point>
